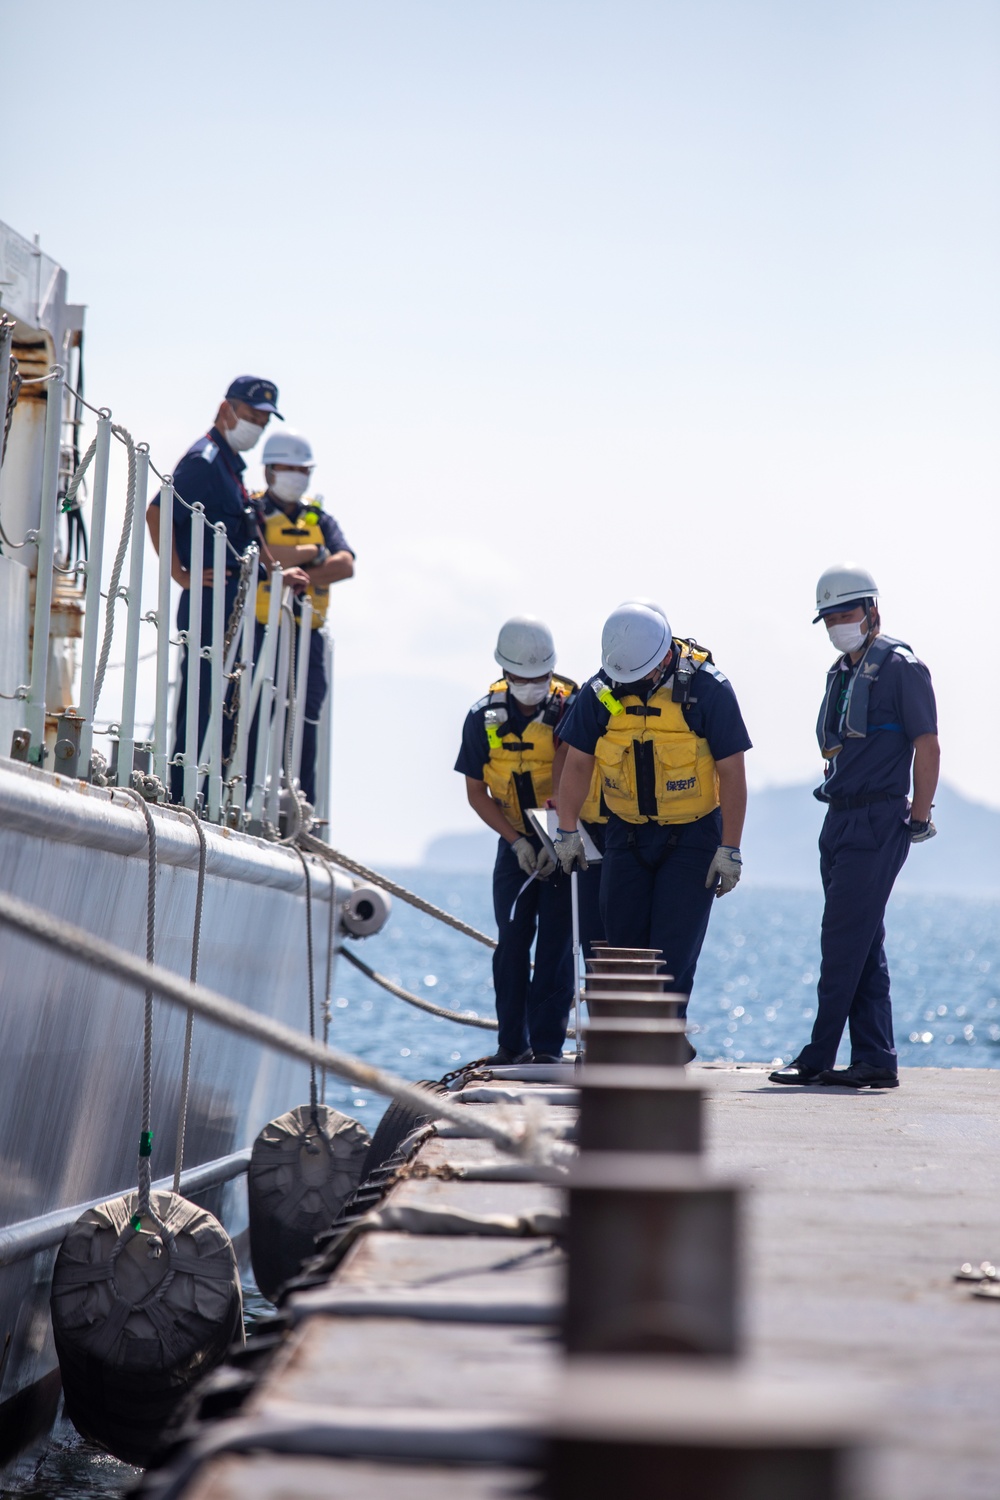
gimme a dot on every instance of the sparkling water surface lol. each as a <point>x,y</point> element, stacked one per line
<point>754,1001</point>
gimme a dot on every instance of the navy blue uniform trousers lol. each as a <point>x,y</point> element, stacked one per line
<point>861,852</point>
<point>589,897</point>
<point>204,691</point>
<point>532,1009</point>
<point>653,892</point>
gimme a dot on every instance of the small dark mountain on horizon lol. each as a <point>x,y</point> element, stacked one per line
<point>779,844</point>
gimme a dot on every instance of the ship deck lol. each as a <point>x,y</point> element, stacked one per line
<point>860,1208</point>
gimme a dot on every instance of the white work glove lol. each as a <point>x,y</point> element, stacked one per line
<point>524,852</point>
<point>920,832</point>
<point>569,850</point>
<point>725,870</point>
<point>546,864</point>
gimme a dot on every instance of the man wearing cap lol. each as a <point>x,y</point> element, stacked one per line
<point>663,725</point>
<point>211,475</point>
<point>877,719</point>
<point>299,533</point>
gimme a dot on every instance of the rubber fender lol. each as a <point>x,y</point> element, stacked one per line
<point>302,1171</point>
<point>394,1126</point>
<point>139,1316</point>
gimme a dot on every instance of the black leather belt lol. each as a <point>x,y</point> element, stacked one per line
<point>863,799</point>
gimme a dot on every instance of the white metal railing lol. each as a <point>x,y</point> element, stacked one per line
<point>272,686</point>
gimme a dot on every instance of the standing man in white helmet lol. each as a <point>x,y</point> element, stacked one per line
<point>299,533</point>
<point>509,746</point>
<point>878,717</point>
<point>664,728</point>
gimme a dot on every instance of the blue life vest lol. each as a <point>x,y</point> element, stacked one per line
<point>848,719</point>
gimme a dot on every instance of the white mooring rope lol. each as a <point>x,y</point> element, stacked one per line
<point>316,846</point>
<point>527,1137</point>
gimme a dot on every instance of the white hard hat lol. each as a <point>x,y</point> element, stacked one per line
<point>636,638</point>
<point>525,647</point>
<point>286,447</point>
<point>650,604</point>
<point>841,586</point>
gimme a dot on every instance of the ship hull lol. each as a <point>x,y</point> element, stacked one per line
<point>71,1038</point>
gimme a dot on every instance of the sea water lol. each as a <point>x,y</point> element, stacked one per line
<point>754,1001</point>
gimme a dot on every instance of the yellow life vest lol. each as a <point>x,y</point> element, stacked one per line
<point>653,768</point>
<point>281,531</point>
<point>595,809</point>
<point>519,770</point>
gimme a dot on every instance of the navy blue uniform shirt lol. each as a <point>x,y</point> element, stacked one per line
<point>211,474</point>
<point>901,707</point>
<point>475,751</point>
<point>713,713</point>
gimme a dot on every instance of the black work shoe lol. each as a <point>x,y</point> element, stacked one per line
<point>546,1057</point>
<point>795,1072</point>
<point>504,1059</point>
<point>860,1076</point>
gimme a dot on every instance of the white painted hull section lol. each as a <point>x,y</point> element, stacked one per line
<point>71,1038</point>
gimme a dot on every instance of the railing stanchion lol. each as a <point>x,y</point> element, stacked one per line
<point>126,734</point>
<point>192,724</point>
<point>92,603</point>
<point>217,668</point>
<point>262,698</point>
<point>161,729</point>
<point>276,755</point>
<point>324,739</point>
<point>6,344</point>
<point>301,688</point>
<point>35,715</point>
<point>238,762</point>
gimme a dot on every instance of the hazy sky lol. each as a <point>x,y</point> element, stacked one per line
<point>577,299</point>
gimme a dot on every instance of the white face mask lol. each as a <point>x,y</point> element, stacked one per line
<point>529,694</point>
<point>847,638</point>
<point>243,436</point>
<point>289,485</point>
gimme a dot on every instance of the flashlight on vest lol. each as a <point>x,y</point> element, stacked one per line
<point>493,720</point>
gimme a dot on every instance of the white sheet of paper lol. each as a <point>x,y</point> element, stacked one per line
<point>545,821</point>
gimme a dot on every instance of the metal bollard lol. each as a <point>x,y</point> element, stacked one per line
<point>653,1257</point>
<point>651,1007</point>
<point>606,951</point>
<point>639,1109</point>
<point>650,1427</point>
<point>629,983</point>
<point>633,1041</point>
<point>626,968</point>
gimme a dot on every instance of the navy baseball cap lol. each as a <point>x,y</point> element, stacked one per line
<point>260,394</point>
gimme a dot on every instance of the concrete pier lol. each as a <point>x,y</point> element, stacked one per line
<point>431,1345</point>
<point>862,1207</point>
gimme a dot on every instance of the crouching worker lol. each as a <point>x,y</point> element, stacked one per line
<point>509,743</point>
<point>664,729</point>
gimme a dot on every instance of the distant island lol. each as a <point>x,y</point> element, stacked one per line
<point>779,845</point>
